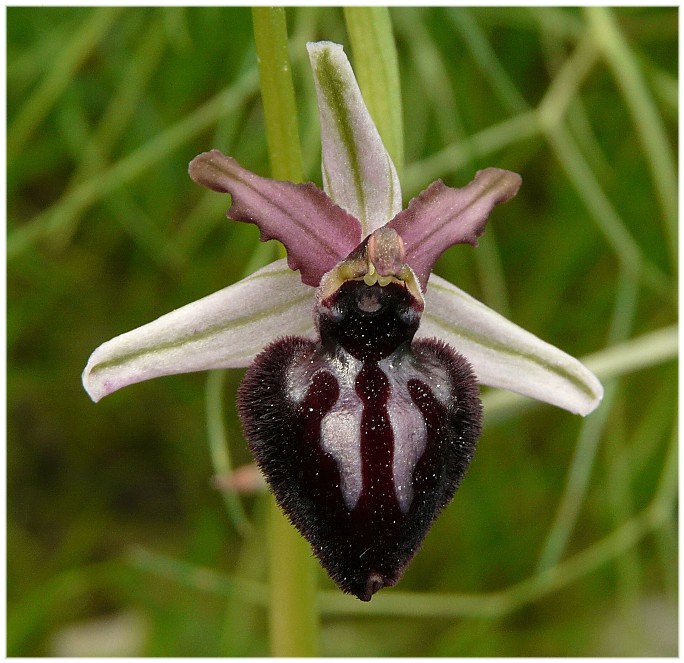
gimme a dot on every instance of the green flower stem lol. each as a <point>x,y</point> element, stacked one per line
<point>377,70</point>
<point>277,93</point>
<point>294,615</point>
<point>293,607</point>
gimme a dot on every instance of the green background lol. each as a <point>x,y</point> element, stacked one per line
<point>113,524</point>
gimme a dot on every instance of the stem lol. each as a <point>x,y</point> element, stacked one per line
<point>277,93</point>
<point>377,70</point>
<point>293,608</point>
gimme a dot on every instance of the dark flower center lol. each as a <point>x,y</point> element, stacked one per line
<point>369,321</point>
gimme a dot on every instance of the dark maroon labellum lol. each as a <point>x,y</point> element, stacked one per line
<point>363,437</point>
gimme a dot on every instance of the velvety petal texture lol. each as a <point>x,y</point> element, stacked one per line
<point>224,330</point>
<point>358,173</point>
<point>316,233</point>
<point>504,355</point>
<point>442,216</point>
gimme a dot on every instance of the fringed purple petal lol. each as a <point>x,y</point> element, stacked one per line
<point>316,233</point>
<point>442,216</point>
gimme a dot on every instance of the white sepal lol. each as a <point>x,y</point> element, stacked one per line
<point>224,330</point>
<point>503,354</point>
<point>358,173</point>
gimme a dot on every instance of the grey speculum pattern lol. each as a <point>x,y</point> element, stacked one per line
<point>365,435</point>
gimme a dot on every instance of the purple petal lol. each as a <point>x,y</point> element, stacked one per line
<point>224,330</point>
<point>316,233</point>
<point>442,216</point>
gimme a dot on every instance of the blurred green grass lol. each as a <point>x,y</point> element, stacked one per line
<point>110,507</point>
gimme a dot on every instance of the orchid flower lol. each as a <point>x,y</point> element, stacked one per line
<point>361,402</point>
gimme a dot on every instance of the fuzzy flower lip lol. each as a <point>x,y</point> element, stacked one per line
<point>320,229</point>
